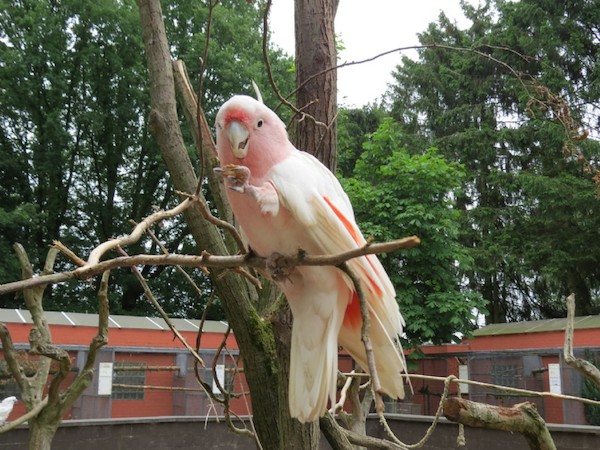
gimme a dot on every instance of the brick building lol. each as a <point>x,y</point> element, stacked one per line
<point>527,355</point>
<point>143,352</point>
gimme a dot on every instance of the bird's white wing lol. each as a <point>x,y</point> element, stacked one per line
<point>6,407</point>
<point>316,199</point>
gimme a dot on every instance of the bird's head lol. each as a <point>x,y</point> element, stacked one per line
<point>249,133</point>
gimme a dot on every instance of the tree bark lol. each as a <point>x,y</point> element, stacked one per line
<point>317,92</point>
<point>522,418</point>
<point>585,368</point>
<point>264,366</point>
<point>41,435</point>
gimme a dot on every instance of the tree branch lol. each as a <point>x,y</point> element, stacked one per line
<point>206,260</point>
<point>345,439</point>
<point>522,418</point>
<point>25,417</point>
<point>150,296</point>
<point>365,337</point>
<point>10,356</point>
<point>137,232</point>
<point>586,368</point>
<point>84,378</point>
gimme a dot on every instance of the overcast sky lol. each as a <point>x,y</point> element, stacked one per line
<point>368,28</point>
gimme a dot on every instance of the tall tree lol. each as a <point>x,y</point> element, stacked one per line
<point>396,193</point>
<point>317,86</point>
<point>78,160</point>
<point>260,320</point>
<point>478,112</point>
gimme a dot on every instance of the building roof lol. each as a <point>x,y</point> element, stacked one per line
<point>537,326</point>
<point>115,321</point>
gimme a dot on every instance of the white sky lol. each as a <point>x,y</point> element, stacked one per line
<point>368,28</point>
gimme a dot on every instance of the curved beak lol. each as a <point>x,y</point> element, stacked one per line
<point>237,135</point>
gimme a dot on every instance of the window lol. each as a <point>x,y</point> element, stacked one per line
<point>126,376</point>
<point>505,375</point>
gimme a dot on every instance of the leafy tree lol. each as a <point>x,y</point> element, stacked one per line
<point>77,159</point>
<point>396,194</point>
<point>518,182</point>
<point>353,126</point>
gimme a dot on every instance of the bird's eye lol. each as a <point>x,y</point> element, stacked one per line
<point>259,123</point>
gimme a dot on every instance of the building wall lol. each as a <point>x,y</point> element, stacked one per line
<point>152,347</point>
<point>155,402</point>
<point>197,432</point>
<point>524,359</point>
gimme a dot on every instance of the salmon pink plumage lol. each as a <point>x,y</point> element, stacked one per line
<point>285,200</point>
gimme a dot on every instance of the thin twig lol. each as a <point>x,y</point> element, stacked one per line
<point>204,260</point>
<point>150,296</point>
<point>25,417</point>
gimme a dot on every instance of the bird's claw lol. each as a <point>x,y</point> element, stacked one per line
<point>236,177</point>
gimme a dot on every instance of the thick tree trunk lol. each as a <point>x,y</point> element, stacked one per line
<point>41,435</point>
<point>260,341</point>
<point>315,52</point>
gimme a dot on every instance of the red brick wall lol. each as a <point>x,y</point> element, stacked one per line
<point>155,402</point>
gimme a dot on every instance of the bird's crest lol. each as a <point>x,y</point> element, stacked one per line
<point>257,91</point>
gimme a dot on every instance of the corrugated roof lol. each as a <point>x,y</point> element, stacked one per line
<point>116,321</point>
<point>537,326</point>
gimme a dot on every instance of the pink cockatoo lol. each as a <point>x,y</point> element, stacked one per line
<point>285,200</point>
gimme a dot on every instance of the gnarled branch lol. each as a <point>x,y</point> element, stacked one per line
<point>522,418</point>
<point>586,368</point>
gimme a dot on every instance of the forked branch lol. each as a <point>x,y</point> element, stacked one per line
<point>586,368</point>
<point>522,418</point>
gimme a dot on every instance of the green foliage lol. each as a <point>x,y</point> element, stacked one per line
<point>528,214</point>
<point>396,194</point>
<point>77,160</point>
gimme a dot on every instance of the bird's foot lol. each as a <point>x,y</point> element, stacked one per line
<point>280,267</point>
<point>236,177</point>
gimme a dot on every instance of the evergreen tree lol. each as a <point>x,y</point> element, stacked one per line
<point>76,157</point>
<point>526,210</point>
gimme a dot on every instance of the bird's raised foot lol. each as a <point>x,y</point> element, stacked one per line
<point>236,177</point>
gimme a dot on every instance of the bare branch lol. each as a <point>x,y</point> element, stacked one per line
<point>150,296</point>
<point>137,233</point>
<point>25,417</point>
<point>206,260</point>
<point>39,335</point>
<point>10,356</point>
<point>84,377</point>
<point>218,222</point>
<point>365,337</point>
<point>345,439</point>
<point>586,368</point>
<point>68,252</point>
<point>522,418</point>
